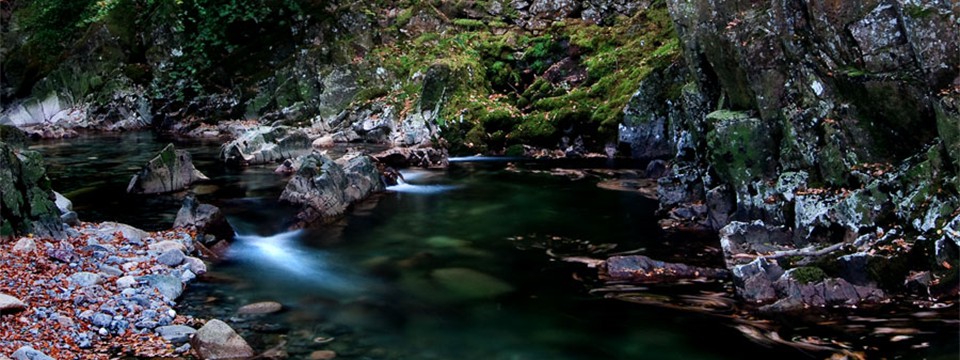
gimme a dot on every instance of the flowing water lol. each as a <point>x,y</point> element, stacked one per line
<point>462,263</point>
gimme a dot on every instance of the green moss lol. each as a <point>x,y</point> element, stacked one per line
<point>807,274</point>
<point>470,23</point>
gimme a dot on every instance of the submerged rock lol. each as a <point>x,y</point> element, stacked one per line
<point>264,307</point>
<point>468,284</point>
<point>218,341</point>
<point>642,269</point>
<point>171,170</point>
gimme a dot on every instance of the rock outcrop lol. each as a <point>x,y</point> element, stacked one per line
<point>27,204</point>
<point>171,170</point>
<point>266,144</point>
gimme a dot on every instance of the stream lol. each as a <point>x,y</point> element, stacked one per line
<point>460,264</point>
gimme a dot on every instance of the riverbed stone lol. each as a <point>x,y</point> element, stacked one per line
<point>171,170</point>
<point>10,304</point>
<point>323,355</point>
<point>126,282</point>
<point>176,334</point>
<point>171,257</point>
<point>263,307</point>
<point>29,353</point>
<point>469,284</point>
<point>216,340</point>
<point>84,279</point>
<point>166,245</point>
<point>195,265</point>
<point>168,285</point>
<point>24,246</point>
<point>206,219</point>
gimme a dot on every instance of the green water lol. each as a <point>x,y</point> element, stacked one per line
<point>463,263</point>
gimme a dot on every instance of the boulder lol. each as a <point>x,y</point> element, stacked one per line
<point>25,196</point>
<point>129,233</point>
<point>171,170</point>
<point>216,340</point>
<point>754,280</point>
<point>266,144</point>
<point>206,219</point>
<point>325,188</point>
<point>10,304</point>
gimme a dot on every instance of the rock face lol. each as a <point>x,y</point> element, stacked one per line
<point>266,144</point>
<point>90,89</point>
<point>206,219</point>
<point>778,110</point>
<point>171,170</point>
<point>325,188</point>
<point>217,341</point>
<point>26,200</point>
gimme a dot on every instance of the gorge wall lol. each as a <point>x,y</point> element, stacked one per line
<point>835,124</point>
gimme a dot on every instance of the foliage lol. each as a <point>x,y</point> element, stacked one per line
<point>510,99</point>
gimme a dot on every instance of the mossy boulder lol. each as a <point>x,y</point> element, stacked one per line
<point>26,201</point>
<point>171,170</point>
<point>740,147</point>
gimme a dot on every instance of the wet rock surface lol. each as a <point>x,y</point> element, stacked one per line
<point>266,144</point>
<point>326,188</point>
<point>171,170</point>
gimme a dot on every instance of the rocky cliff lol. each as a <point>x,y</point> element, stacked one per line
<point>832,123</point>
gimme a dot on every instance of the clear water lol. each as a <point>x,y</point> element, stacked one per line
<point>454,264</point>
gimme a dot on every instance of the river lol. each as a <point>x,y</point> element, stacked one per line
<point>462,264</point>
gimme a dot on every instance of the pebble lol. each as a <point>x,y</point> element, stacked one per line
<point>90,301</point>
<point>25,245</point>
<point>10,304</point>
<point>126,281</point>
<point>323,355</point>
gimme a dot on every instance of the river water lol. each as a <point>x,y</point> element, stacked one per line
<point>464,263</point>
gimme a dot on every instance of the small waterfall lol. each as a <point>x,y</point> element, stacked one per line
<point>281,256</point>
<point>417,175</point>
